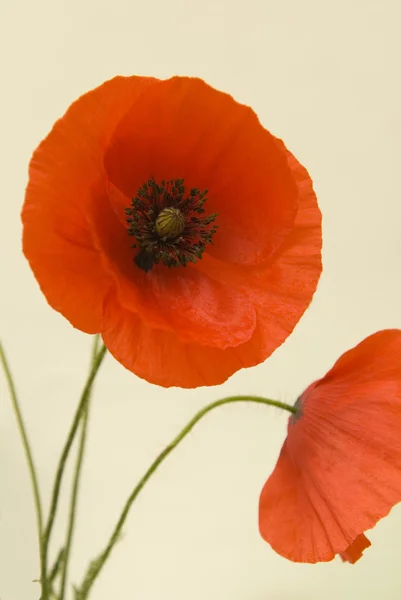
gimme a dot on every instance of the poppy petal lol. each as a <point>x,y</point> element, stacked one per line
<point>183,128</point>
<point>339,471</point>
<point>64,173</point>
<point>159,357</point>
<point>288,518</point>
<point>202,310</point>
<point>281,290</point>
<point>69,271</point>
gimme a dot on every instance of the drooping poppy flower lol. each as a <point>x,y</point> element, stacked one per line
<point>164,216</point>
<point>339,470</point>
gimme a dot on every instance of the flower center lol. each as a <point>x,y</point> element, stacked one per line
<point>168,224</point>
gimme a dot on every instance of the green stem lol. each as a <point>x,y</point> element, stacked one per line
<point>29,457</point>
<point>95,347</point>
<point>97,361</point>
<point>74,498</point>
<point>76,480</point>
<point>56,567</point>
<point>96,565</point>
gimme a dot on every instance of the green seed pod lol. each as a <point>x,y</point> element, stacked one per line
<point>170,223</point>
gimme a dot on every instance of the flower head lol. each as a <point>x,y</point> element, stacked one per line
<point>339,470</point>
<point>164,216</point>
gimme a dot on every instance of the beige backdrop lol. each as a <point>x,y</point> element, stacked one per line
<point>322,75</point>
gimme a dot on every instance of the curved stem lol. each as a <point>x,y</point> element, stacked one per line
<point>74,498</point>
<point>97,361</point>
<point>76,480</point>
<point>29,457</point>
<point>55,570</point>
<point>96,565</point>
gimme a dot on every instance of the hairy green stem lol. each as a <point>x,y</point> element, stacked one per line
<point>31,464</point>
<point>60,557</point>
<point>74,498</point>
<point>76,481</point>
<point>96,565</point>
<point>96,363</point>
<point>57,565</point>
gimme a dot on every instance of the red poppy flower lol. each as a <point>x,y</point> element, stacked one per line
<point>339,470</point>
<point>164,216</point>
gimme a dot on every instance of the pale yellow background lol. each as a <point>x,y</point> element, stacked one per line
<point>324,76</point>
